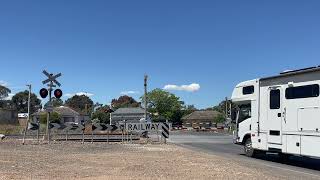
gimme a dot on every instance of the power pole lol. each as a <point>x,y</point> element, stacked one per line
<point>145,96</point>
<point>28,119</point>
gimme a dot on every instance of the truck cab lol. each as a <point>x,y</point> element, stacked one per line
<point>245,96</point>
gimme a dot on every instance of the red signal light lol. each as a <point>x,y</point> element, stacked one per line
<point>58,93</point>
<point>43,93</point>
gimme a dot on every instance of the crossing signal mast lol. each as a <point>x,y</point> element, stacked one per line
<point>44,92</point>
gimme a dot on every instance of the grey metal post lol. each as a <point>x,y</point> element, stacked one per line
<point>66,135</point>
<point>122,137</point>
<point>38,132</point>
<point>28,119</point>
<point>108,137</point>
<point>82,136</point>
<point>226,115</point>
<point>131,137</point>
<point>110,117</point>
<point>145,96</point>
<point>48,114</point>
<point>91,136</point>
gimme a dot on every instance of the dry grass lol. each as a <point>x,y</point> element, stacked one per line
<point>10,129</point>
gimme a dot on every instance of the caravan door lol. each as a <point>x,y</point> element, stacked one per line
<point>275,115</point>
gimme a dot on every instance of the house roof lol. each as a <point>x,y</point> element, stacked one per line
<point>62,110</point>
<point>201,115</point>
<point>137,110</point>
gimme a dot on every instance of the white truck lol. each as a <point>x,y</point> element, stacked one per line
<point>279,114</point>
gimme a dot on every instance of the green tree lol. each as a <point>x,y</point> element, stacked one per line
<point>164,105</point>
<point>4,92</point>
<point>54,117</point>
<point>102,114</point>
<point>82,104</point>
<point>56,102</point>
<point>124,102</point>
<point>220,118</point>
<point>20,102</point>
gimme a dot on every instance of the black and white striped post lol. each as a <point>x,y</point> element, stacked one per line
<point>165,131</point>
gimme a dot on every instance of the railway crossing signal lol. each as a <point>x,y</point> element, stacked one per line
<point>44,93</point>
<point>58,93</point>
<point>52,82</point>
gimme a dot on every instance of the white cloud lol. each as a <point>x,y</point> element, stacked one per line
<point>190,88</point>
<point>79,94</point>
<point>10,95</point>
<point>3,83</point>
<point>129,92</point>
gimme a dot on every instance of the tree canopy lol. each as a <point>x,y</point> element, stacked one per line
<point>4,92</point>
<point>80,103</point>
<point>56,102</point>
<point>124,102</point>
<point>102,114</point>
<point>163,104</point>
<point>20,102</point>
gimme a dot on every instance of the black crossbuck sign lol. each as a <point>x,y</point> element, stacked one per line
<point>33,126</point>
<point>104,127</point>
<point>66,126</point>
<point>165,130</point>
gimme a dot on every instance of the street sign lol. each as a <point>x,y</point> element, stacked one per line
<point>101,127</point>
<point>104,127</point>
<point>66,126</point>
<point>151,127</point>
<point>165,130</point>
<point>57,126</point>
<point>33,126</point>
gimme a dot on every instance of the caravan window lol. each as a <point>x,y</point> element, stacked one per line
<point>275,99</point>
<point>248,90</point>
<point>302,91</point>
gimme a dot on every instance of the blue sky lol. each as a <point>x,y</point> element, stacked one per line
<point>105,47</point>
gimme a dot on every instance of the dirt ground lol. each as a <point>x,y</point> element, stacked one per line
<point>73,160</point>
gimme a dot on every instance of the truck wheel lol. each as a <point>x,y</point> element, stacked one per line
<point>248,149</point>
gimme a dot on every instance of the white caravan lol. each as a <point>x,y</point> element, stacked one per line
<point>279,114</point>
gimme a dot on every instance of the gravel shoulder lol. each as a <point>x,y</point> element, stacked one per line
<point>72,160</point>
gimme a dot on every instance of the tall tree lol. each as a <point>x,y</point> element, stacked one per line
<point>82,104</point>
<point>56,102</point>
<point>164,105</point>
<point>102,113</point>
<point>124,102</point>
<point>4,92</point>
<point>221,107</point>
<point>20,102</point>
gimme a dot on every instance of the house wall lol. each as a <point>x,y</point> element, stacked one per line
<point>8,116</point>
<point>132,118</point>
<point>198,123</point>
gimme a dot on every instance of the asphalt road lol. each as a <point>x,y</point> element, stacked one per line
<point>221,144</point>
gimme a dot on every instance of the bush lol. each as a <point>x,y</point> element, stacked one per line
<point>54,118</point>
<point>219,118</point>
